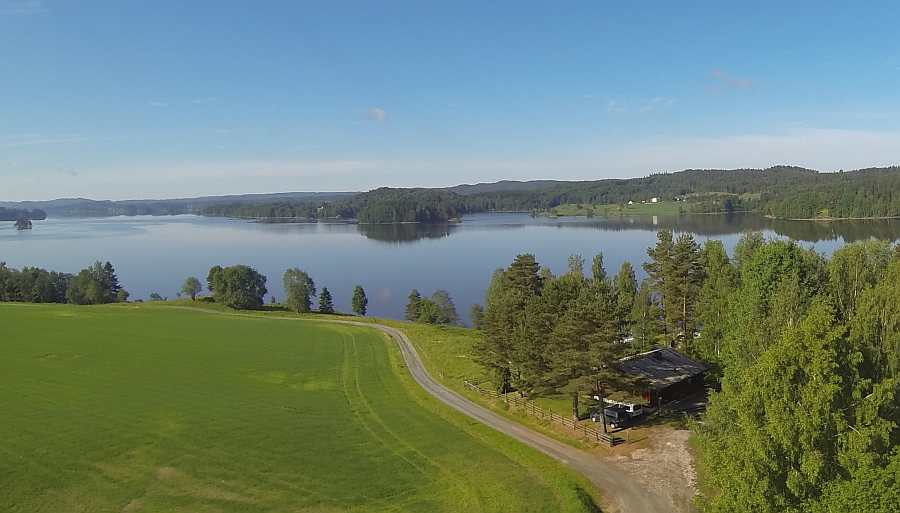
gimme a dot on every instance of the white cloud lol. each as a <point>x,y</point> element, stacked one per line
<point>376,114</point>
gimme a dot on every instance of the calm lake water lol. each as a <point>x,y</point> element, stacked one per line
<point>155,254</point>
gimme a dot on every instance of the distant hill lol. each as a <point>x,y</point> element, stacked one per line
<point>82,207</point>
<point>505,186</point>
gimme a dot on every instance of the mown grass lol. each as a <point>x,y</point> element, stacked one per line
<point>151,408</point>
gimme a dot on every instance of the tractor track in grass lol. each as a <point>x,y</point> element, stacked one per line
<point>620,493</point>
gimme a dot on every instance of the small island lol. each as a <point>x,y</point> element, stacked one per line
<point>23,224</point>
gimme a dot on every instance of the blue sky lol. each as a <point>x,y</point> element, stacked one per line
<point>124,99</point>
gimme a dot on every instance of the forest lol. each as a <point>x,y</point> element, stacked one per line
<point>780,192</point>
<point>804,351</point>
<point>14,214</point>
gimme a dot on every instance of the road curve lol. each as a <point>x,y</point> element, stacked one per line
<point>619,493</point>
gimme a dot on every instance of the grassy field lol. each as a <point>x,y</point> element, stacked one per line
<point>664,208</point>
<point>150,409</point>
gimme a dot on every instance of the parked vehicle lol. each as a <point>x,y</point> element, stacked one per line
<point>619,414</point>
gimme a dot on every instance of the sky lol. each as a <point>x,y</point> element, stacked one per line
<point>133,99</point>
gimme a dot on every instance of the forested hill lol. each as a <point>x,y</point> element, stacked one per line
<point>81,207</point>
<point>13,214</point>
<point>782,192</point>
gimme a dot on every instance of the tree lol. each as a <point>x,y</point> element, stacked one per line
<point>299,290</point>
<point>413,306</point>
<point>713,301</point>
<point>191,287</point>
<point>505,323</point>
<point>326,304</point>
<point>676,273</point>
<point>625,292</point>
<point>854,268</point>
<point>360,301</point>
<point>95,285</point>
<point>240,287</point>
<point>214,274</point>
<point>445,307</point>
<point>795,423</point>
<point>155,296</point>
<point>476,314</point>
<point>646,318</point>
<point>429,313</point>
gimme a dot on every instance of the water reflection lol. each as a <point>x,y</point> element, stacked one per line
<point>699,224</point>
<point>404,233</point>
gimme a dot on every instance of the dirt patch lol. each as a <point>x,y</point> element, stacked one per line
<point>660,460</point>
<point>167,473</point>
<point>133,506</point>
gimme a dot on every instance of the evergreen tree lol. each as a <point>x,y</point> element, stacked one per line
<point>676,272</point>
<point>429,313</point>
<point>625,292</point>
<point>476,314</point>
<point>646,318</point>
<point>445,307</point>
<point>505,317</point>
<point>326,303</point>
<point>360,301</point>
<point>413,306</point>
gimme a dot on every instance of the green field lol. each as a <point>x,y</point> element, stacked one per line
<point>152,409</point>
<point>663,208</point>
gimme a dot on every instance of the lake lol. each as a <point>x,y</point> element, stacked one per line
<point>155,254</point>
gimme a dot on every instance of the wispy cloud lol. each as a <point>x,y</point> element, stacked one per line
<point>723,79</point>
<point>641,107</point>
<point>18,141</point>
<point>376,114</point>
<point>22,7</point>
<point>656,103</point>
<point>204,99</point>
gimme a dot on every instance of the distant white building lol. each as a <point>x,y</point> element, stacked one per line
<point>654,200</point>
<point>630,202</point>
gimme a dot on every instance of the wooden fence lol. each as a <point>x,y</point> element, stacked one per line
<point>530,408</point>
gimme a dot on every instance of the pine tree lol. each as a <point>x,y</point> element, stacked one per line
<point>413,306</point>
<point>625,292</point>
<point>326,304</point>
<point>360,301</point>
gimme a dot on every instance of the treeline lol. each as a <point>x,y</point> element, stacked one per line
<point>15,214</point>
<point>784,192</point>
<point>244,288</point>
<point>438,309</point>
<point>383,205</point>
<point>805,353</point>
<point>97,284</point>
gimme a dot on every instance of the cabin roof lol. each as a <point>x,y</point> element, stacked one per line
<point>661,367</point>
